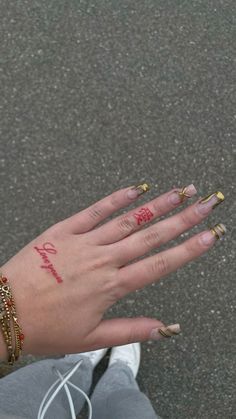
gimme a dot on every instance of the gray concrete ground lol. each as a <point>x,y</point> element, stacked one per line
<point>98,95</point>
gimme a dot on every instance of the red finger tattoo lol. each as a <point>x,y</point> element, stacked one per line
<point>143,215</point>
<point>48,248</point>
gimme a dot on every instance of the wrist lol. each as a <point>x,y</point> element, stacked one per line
<point>11,336</point>
<point>3,349</point>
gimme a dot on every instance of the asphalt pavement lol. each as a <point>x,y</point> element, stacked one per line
<point>99,95</point>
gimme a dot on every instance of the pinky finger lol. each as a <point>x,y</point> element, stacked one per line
<point>122,331</point>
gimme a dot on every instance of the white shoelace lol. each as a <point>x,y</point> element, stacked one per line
<point>63,380</point>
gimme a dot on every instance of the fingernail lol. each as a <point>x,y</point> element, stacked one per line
<point>209,202</point>
<point>138,190</point>
<point>178,196</point>
<point>215,233</point>
<point>166,331</point>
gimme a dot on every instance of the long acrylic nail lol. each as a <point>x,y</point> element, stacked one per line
<point>165,331</point>
<point>215,233</point>
<point>138,190</point>
<point>209,202</point>
<point>178,196</point>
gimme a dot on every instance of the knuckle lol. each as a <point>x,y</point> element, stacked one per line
<point>159,206</point>
<point>126,225</point>
<point>95,212</point>
<point>115,295</point>
<point>57,230</point>
<point>159,267</point>
<point>100,262</point>
<point>115,201</point>
<point>138,330</point>
<point>152,239</point>
<point>191,247</point>
<point>112,288</point>
<point>186,219</point>
<point>132,335</point>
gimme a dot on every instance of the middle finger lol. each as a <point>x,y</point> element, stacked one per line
<point>132,221</point>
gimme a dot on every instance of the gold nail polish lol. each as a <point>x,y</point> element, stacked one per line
<point>167,332</point>
<point>220,197</point>
<point>218,230</point>
<point>144,187</point>
<point>183,193</point>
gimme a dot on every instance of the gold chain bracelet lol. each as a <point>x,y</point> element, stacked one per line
<point>8,318</point>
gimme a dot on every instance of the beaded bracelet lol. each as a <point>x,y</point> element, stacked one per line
<point>7,318</point>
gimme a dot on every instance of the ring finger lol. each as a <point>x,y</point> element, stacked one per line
<point>144,272</point>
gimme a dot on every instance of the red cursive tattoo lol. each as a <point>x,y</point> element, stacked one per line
<point>144,214</point>
<point>48,248</point>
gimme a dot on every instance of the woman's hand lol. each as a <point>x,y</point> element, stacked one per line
<point>64,281</point>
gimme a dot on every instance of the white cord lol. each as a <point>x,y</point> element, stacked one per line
<point>64,381</point>
<point>69,374</point>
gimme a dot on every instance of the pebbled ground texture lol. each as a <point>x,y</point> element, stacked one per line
<point>98,95</point>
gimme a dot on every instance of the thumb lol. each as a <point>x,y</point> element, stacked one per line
<point>122,331</point>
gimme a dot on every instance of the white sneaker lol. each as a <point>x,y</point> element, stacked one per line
<point>94,356</point>
<point>129,354</point>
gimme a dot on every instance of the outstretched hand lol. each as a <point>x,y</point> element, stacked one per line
<point>64,280</point>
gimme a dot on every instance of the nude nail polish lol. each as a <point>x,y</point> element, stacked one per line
<point>178,196</point>
<point>166,331</point>
<point>205,205</point>
<point>215,233</point>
